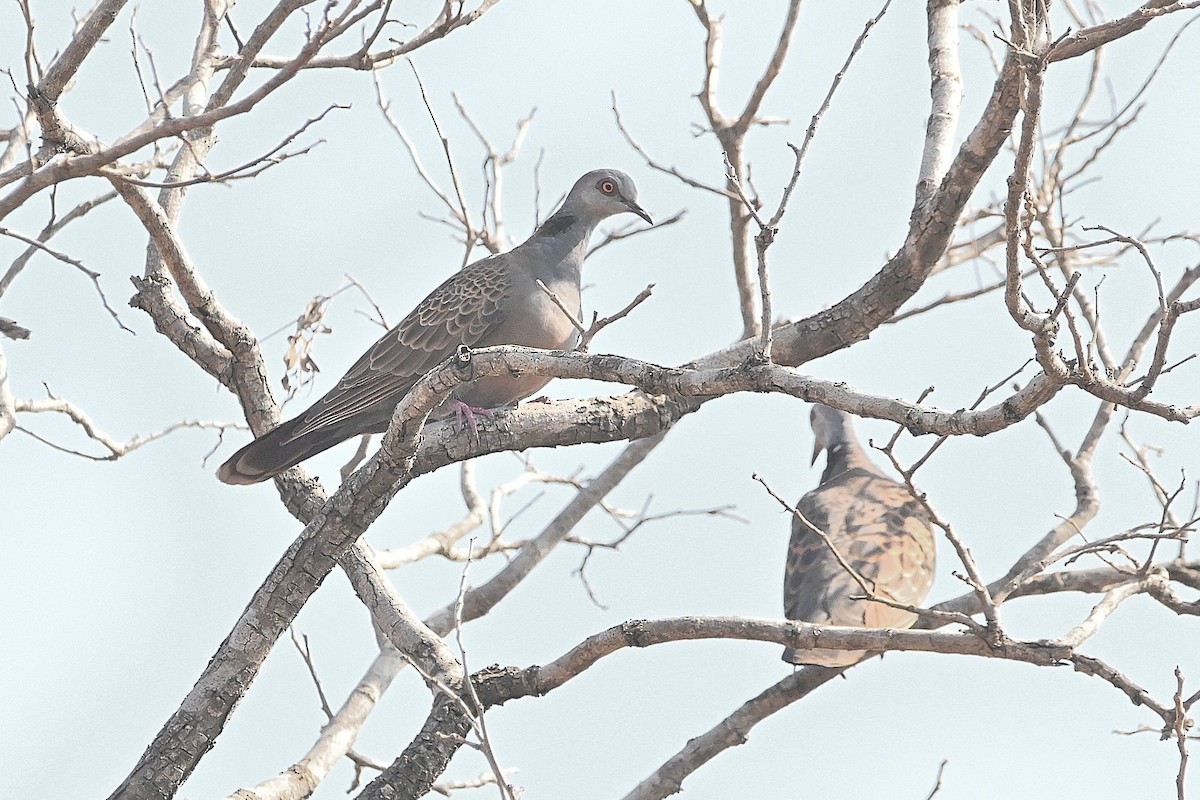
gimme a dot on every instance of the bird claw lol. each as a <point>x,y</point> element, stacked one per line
<point>462,412</point>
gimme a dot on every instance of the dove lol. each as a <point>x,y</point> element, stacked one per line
<point>493,301</point>
<point>880,530</point>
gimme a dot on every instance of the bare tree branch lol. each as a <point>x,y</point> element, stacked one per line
<point>8,410</point>
<point>66,259</point>
<point>1088,39</point>
<point>730,732</point>
<point>47,233</point>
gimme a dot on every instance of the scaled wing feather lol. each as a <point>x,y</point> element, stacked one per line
<point>463,310</point>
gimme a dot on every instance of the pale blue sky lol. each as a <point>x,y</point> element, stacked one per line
<point>118,580</point>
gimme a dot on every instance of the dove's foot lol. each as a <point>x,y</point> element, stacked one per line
<point>464,412</point>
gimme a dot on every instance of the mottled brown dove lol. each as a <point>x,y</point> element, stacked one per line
<point>493,301</point>
<point>881,532</point>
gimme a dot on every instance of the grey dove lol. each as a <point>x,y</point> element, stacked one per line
<point>493,301</point>
<point>879,529</point>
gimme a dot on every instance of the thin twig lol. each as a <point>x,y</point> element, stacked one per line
<point>600,323</point>
<point>478,721</point>
<point>66,259</point>
<point>937,784</point>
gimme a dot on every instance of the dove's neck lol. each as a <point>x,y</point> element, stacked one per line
<point>844,455</point>
<point>562,242</point>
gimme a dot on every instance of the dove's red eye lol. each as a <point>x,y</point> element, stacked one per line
<point>607,186</point>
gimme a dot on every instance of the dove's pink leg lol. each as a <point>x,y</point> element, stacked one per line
<point>462,411</point>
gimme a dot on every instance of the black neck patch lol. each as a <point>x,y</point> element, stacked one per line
<point>556,224</point>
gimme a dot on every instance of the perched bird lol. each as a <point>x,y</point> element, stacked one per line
<point>879,529</point>
<point>492,301</point>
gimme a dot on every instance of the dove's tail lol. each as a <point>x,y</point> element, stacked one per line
<point>276,450</point>
<point>823,658</point>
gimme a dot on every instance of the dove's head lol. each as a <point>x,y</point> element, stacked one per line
<point>829,428</point>
<point>602,193</point>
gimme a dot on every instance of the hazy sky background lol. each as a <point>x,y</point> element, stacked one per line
<point>118,580</point>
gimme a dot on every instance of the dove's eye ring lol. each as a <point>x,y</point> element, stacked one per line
<point>607,186</point>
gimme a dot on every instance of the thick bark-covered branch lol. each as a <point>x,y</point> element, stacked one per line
<point>945,90</point>
<point>439,738</point>
<point>541,679</point>
<point>1086,40</point>
<point>89,33</point>
<point>426,757</point>
<point>395,620</point>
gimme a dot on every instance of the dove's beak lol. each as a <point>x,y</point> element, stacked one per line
<point>817,448</point>
<point>641,212</point>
